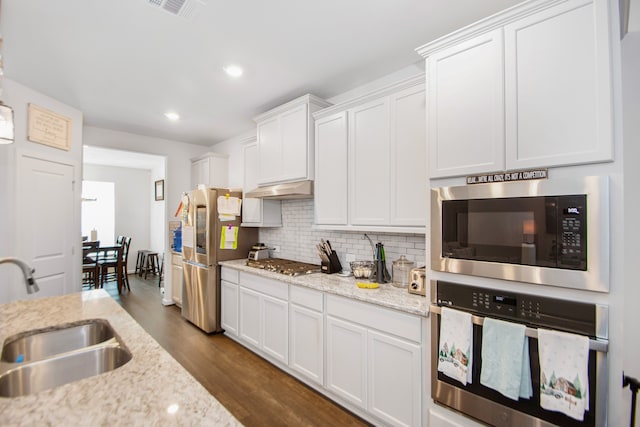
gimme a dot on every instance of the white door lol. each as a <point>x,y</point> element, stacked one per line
<point>294,134</point>
<point>269,151</point>
<point>466,107</point>
<point>347,360</point>
<point>394,379</point>
<point>45,218</point>
<point>306,342</point>
<point>251,208</point>
<point>249,317</point>
<point>229,307</point>
<point>275,328</point>
<point>331,170</point>
<point>369,163</point>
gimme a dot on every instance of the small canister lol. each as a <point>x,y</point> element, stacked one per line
<point>401,272</point>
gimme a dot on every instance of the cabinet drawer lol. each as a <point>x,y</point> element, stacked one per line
<point>306,297</point>
<point>383,319</point>
<point>229,274</point>
<point>265,286</point>
<point>176,259</point>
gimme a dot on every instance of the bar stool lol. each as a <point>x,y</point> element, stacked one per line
<point>152,264</point>
<point>140,261</point>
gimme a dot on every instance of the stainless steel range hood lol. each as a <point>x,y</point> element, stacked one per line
<point>285,191</point>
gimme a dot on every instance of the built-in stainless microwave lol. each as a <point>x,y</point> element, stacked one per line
<point>550,232</point>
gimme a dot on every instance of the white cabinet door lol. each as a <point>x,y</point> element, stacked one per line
<point>347,360</point>
<point>306,349</point>
<point>257,212</point>
<point>176,283</point>
<point>394,380</point>
<point>558,87</point>
<point>408,159</point>
<point>269,151</point>
<point>229,307</point>
<point>275,328</point>
<point>294,133</point>
<point>199,172</point>
<point>330,186</point>
<point>369,163</point>
<point>249,316</point>
<point>466,107</point>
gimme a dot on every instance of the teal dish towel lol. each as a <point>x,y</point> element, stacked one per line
<point>505,359</point>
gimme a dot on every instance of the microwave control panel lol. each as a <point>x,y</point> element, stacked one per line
<point>572,215</point>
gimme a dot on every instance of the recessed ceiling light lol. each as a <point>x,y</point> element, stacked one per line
<point>172,116</point>
<point>233,70</point>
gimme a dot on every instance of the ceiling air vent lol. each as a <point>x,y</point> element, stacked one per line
<point>184,8</point>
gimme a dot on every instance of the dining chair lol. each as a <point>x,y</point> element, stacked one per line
<point>90,270</point>
<point>110,263</point>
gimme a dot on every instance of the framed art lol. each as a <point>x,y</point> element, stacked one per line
<point>160,189</point>
<point>48,128</point>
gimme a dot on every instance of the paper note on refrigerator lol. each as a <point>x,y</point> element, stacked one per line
<point>229,237</point>
<point>229,205</point>
<point>187,236</point>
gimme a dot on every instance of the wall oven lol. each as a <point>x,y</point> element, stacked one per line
<point>543,232</point>
<point>489,406</point>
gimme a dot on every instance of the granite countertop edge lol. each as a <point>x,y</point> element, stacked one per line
<point>386,295</point>
<point>139,392</point>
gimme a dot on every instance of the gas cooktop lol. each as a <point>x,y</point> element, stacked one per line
<point>284,266</point>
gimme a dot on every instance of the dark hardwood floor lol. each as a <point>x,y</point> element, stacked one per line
<point>253,390</point>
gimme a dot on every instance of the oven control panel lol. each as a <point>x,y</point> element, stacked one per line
<point>523,308</point>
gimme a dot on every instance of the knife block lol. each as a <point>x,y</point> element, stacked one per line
<point>333,266</point>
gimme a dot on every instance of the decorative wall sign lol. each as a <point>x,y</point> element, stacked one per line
<point>525,175</point>
<point>160,189</point>
<point>49,128</point>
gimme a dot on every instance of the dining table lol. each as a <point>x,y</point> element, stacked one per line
<point>103,254</point>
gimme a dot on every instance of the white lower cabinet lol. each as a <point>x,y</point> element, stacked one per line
<point>374,359</point>
<point>264,315</point>
<point>306,333</point>
<point>394,373</point>
<point>176,278</point>
<point>347,360</point>
<point>366,357</point>
<point>229,307</point>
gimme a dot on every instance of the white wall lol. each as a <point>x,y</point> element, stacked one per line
<point>18,96</point>
<point>132,205</point>
<point>631,135</point>
<point>177,172</point>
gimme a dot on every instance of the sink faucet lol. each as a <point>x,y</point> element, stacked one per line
<point>27,271</point>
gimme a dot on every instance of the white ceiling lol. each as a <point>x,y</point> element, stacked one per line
<point>124,159</point>
<point>125,62</point>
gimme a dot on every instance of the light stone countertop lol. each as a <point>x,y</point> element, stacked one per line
<point>386,295</point>
<point>135,394</point>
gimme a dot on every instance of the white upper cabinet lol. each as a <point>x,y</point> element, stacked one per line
<point>285,141</point>
<point>528,87</point>
<point>257,212</point>
<point>330,186</point>
<point>408,157</point>
<point>558,103</point>
<point>371,161</point>
<point>466,107</point>
<point>369,166</point>
<point>210,169</point>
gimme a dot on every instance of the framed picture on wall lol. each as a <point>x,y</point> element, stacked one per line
<point>160,189</point>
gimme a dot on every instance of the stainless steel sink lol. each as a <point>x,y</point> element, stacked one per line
<point>41,359</point>
<point>41,343</point>
<point>62,369</point>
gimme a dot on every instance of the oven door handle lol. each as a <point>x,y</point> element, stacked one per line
<point>598,344</point>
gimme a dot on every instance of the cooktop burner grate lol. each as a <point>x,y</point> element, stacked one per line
<point>284,266</point>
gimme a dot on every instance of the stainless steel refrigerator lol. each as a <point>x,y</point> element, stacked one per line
<point>202,233</point>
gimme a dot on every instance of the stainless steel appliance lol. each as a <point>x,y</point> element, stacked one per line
<point>489,406</point>
<point>258,251</point>
<point>284,266</point>
<point>202,239</point>
<point>553,232</point>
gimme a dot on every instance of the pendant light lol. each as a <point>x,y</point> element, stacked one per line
<point>6,112</point>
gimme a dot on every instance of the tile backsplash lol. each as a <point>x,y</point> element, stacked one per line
<point>297,239</point>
